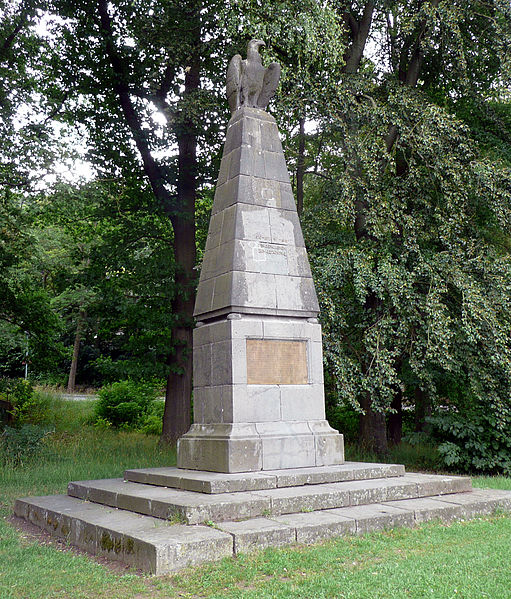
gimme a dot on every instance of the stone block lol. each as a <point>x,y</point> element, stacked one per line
<point>251,133</point>
<point>214,404</point>
<point>287,200</point>
<point>370,518</point>
<point>285,328</point>
<point>222,291</point>
<point>479,502</point>
<point>183,546</point>
<point>275,166</point>
<point>316,363</point>
<point>256,403</point>
<point>292,500</point>
<point>362,470</point>
<point>364,492</point>
<point>225,167</point>
<point>270,138</point>
<point>221,363</point>
<point>312,527</point>
<point>296,293</point>
<point>426,509</point>
<point>202,481</point>
<point>284,227</point>
<point>302,402</point>
<point>287,452</point>
<point>252,223</point>
<point>202,365</point>
<point>216,448</point>
<point>258,533</point>
<point>295,477</point>
<point>204,297</point>
<point>260,192</point>
<point>225,195</point>
<point>259,256</point>
<point>247,326</point>
<point>233,138</point>
<point>228,232</point>
<point>253,290</point>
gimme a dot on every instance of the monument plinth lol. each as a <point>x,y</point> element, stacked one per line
<point>258,367</point>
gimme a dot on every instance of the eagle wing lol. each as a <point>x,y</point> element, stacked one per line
<point>233,83</point>
<point>270,84</point>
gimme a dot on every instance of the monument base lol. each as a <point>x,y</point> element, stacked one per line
<point>249,447</point>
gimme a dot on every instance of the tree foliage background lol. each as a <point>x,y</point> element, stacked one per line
<point>397,126</point>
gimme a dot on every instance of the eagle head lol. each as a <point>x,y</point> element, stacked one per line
<point>253,46</point>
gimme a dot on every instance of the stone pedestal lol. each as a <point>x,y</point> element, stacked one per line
<point>258,369</point>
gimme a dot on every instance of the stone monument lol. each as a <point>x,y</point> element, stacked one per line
<point>276,473</point>
<point>258,368</point>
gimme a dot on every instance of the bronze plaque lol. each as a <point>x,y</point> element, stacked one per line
<point>276,362</point>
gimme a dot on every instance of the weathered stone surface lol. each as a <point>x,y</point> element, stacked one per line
<point>373,517</point>
<point>255,259</point>
<point>202,482</point>
<point>480,502</point>
<point>165,503</point>
<point>219,482</point>
<point>425,508</point>
<point>195,508</point>
<point>315,526</point>
<point>258,533</point>
<point>141,541</point>
<point>155,545</point>
<point>289,500</point>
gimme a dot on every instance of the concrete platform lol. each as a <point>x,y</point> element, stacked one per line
<point>219,482</point>
<point>160,547</point>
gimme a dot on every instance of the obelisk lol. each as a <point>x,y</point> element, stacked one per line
<point>257,355</point>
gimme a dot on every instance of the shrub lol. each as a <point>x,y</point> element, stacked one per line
<point>153,422</point>
<point>124,404</point>
<point>26,405</point>
<point>472,442</point>
<point>20,444</point>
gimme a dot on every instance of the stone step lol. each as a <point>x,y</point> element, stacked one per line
<point>218,482</point>
<point>156,546</point>
<point>196,508</point>
<point>306,528</point>
<point>149,544</point>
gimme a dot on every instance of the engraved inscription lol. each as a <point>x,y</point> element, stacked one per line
<point>274,362</point>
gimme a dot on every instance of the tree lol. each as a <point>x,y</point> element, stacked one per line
<point>142,59</point>
<point>406,266</point>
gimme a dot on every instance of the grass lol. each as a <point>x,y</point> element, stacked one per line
<point>443,562</point>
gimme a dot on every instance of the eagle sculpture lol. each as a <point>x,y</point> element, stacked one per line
<point>249,83</point>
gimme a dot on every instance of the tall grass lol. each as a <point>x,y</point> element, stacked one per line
<point>76,450</point>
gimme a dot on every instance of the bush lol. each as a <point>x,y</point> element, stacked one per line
<point>153,422</point>
<point>344,419</point>
<point>26,405</point>
<point>20,444</point>
<point>472,442</point>
<point>124,404</point>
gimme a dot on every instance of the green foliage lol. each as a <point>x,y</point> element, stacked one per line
<point>153,421</point>
<point>21,444</point>
<point>473,442</point>
<point>124,404</point>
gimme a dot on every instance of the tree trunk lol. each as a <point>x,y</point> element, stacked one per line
<point>422,409</point>
<point>76,351</point>
<point>300,167</point>
<point>177,415</point>
<point>372,428</point>
<point>176,419</point>
<point>395,420</point>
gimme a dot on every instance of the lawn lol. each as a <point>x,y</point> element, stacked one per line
<point>467,560</point>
